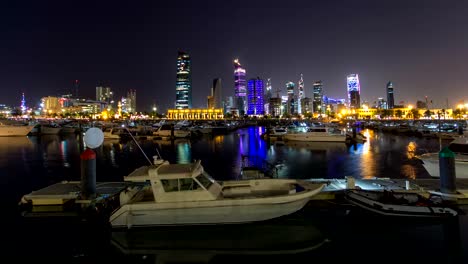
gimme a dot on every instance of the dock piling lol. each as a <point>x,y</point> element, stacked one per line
<point>447,171</point>
<point>88,174</point>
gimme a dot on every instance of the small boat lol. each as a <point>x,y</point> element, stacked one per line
<point>399,203</point>
<point>184,194</point>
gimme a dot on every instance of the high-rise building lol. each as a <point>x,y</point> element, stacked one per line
<point>300,96</point>
<point>354,89</point>
<point>317,99</point>
<point>104,94</point>
<point>390,98</point>
<point>131,101</point>
<point>183,81</point>
<point>240,91</point>
<point>23,104</point>
<point>255,97</point>
<point>216,92</point>
<point>76,87</point>
<point>268,95</point>
<point>291,104</point>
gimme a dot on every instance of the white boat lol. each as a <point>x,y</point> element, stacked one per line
<point>12,130</point>
<point>317,134</point>
<point>50,129</point>
<point>165,131</point>
<point>184,194</point>
<point>459,146</point>
<point>399,203</point>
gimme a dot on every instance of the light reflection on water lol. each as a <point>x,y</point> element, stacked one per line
<point>380,156</point>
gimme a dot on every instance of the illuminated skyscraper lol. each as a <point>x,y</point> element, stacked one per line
<point>240,91</point>
<point>216,93</point>
<point>291,104</point>
<point>255,97</point>
<point>390,99</point>
<point>23,104</point>
<point>354,89</point>
<point>183,81</point>
<point>300,97</point>
<point>318,97</point>
<point>268,95</point>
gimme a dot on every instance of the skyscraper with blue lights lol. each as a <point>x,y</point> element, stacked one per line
<point>255,97</point>
<point>240,91</point>
<point>183,81</point>
<point>354,90</point>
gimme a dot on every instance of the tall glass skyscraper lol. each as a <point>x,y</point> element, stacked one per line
<point>240,90</point>
<point>183,81</point>
<point>390,99</point>
<point>291,103</point>
<point>354,89</point>
<point>255,97</point>
<point>300,96</point>
<point>318,97</point>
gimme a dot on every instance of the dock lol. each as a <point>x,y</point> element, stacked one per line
<point>63,199</point>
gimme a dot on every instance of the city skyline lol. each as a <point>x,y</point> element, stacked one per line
<point>419,46</point>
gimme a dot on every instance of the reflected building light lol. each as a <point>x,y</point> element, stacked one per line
<point>63,153</point>
<point>183,153</point>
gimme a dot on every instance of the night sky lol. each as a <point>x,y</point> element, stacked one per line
<point>421,46</point>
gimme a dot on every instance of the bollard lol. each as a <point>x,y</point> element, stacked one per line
<point>447,171</point>
<point>354,132</point>
<point>460,129</point>
<point>88,174</point>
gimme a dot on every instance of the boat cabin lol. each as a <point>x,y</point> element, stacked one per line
<point>178,182</point>
<point>459,145</point>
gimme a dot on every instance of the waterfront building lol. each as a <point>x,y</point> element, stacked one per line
<point>291,103</point>
<point>354,90</point>
<point>390,98</point>
<point>240,90</point>
<point>382,104</point>
<point>183,81</point>
<point>195,114</point>
<point>300,96</point>
<point>255,97</point>
<point>317,97</point>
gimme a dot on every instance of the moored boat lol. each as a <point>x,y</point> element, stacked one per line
<point>184,194</point>
<point>399,203</point>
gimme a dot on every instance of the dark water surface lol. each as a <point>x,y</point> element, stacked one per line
<point>28,164</point>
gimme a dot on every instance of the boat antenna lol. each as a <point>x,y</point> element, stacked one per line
<point>138,145</point>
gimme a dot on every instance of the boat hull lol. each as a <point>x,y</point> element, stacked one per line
<point>15,131</point>
<point>314,138</point>
<point>221,211</point>
<point>431,164</point>
<point>150,215</point>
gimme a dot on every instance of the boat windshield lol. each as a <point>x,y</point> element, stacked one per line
<point>204,180</point>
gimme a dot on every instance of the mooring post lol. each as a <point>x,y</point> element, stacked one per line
<point>172,132</point>
<point>354,132</point>
<point>88,174</point>
<point>447,171</point>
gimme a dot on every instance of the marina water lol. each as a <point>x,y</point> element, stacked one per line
<point>31,163</point>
